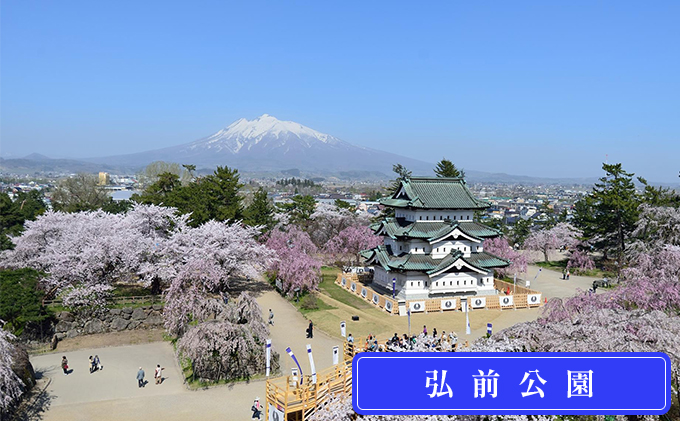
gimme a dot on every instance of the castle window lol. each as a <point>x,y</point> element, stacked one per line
<point>457,283</point>
<point>427,218</point>
<point>425,283</point>
<point>421,218</point>
<point>468,217</point>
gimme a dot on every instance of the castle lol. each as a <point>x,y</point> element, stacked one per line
<point>432,246</point>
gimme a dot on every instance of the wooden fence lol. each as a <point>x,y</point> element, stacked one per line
<point>520,297</point>
<point>358,286</point>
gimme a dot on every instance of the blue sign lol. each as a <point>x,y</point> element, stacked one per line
<point>512,383</point>
<point>489,329</point>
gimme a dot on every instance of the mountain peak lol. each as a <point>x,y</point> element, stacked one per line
<point>264,131</point>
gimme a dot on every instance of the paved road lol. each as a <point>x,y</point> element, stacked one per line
<point>112,394</point>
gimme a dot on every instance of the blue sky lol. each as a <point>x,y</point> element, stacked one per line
<point>541,88</point>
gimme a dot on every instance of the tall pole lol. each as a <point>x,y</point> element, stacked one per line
<point>394,287</point>
<point>408,313</point>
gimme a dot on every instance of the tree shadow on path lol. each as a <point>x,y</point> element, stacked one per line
<point>38,401</point>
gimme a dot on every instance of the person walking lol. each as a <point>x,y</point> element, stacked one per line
<point>92,366</point>
<point>64,365</point>
<point>568,273</point>
<point>424,330</point>
<point>271,317</point>
<point>140,377</point>
<point>158,374</point>
<point>310,330</point>
<point>97,364</point>
<point>256,408</point>
<point>564,274</point>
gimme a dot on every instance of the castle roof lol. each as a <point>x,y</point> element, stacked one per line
<point>434,193</point>
<point>431,230</point>
<point>383,256</point>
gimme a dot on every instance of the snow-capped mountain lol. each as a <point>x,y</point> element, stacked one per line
<point>266,133</point>
<point>269,144</point>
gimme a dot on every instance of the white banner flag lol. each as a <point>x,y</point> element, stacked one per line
<point>269,355</point>
<point>534,299</point>
<point>467,320</point>
<point>275,414</point>
<point>336,355</point>
<point>311,363</point>
<point>506,301</point>
<point>478,302</point>
<point>416,306</point>
<point>343,327</point>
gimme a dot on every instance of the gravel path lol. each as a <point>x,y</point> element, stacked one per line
<point>112,394</point>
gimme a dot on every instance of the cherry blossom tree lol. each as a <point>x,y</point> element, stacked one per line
<point>230,346</point>
<point>11,386</point>
<point>295,264</point>
<point>547,240</point>
<point>499,246</point>
<point>579,261</point>
<point>350,241</point>
<point>201,262</point>
<point>327,222</point>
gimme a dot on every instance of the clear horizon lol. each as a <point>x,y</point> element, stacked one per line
<point>528,88</point>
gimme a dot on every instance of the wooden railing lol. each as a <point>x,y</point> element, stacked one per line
<point>520,296</point>
<point>297,399</point>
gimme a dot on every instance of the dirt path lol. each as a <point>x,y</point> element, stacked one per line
<point>112,394</point>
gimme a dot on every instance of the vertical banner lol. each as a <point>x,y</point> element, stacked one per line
<point>268,351</point>
<point>290,352</point>
<point>275,414</point>
<point>311,363</point>
<point>343,329</point>
<point>394,287</point>
<point>408,313</point>
<point>489,329</point>
<point>336,353</point>
<point>467,320</point>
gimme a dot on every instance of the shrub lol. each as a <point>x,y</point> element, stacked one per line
<point>310,302</point>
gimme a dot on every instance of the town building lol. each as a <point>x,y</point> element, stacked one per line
<point>432,246</point>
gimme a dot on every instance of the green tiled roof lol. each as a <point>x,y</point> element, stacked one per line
<point>383,256</point>
<point>430,230</point>
<point>486,260</point>
<point>434,193</point>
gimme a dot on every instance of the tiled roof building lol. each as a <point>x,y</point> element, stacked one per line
<point>433,247</point>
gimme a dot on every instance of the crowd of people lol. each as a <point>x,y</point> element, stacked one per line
<point>421,342</point>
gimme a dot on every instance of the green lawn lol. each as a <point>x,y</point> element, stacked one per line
<point>328,287</point>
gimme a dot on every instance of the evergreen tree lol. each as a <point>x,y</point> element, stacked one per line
<point>260,212</point>
<point>20,299</point>
<point>403,174</point>
<point>300,210</point>
<point>607,216</point>
<point>26,206</point>
<point>446,168</point>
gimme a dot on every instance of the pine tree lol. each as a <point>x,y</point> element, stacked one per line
<point>446,168</point>
<point>260,212</point>
<point>608,214</point>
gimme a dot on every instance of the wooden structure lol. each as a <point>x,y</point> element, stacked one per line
<point>298,398</point>
<point>521,297</point>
